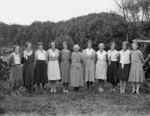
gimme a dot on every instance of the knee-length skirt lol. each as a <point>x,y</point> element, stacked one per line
<point>41,72</point>
<point>16,77</point>
<point>112,73</point>
<point>123,73</point>
<point>136,73</point>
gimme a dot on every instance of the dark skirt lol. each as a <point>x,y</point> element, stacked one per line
<point>123,73</point>
<point>112,72</point>
<point>16,79</point>
<point>41,72</point>
<point>28,74</point>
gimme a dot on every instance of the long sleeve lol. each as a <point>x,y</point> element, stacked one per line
<point>141,57</point>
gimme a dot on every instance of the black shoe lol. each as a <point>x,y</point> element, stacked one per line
<point>133,92</point>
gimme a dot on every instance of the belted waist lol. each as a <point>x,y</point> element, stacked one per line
<point>76,62</point>
<point>65,60</point>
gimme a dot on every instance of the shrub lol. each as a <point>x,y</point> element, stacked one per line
<point>4,70</point>
<point>146,85</point>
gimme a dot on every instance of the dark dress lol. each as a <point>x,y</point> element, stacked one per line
<point>28,70</point>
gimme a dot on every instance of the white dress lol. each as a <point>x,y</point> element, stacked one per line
<point>101,65</point>
<point>53,66</point>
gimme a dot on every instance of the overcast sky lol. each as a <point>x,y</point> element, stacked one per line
<point>28,11</point>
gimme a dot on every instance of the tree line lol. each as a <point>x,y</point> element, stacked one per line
<point>101,27</point>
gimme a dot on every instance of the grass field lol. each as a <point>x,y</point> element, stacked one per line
<point>87,103</point>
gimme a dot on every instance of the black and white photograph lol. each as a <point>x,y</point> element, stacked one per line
<point>74,57</point>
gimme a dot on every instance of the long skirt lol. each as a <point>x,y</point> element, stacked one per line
<point>65,71</point>
<point>28,74</point>
<point>112,73</point>
<point>76,75</point>
<point>53,71</point>
<point>41,72</point>
<point>89,71</point>
<point>101,70</point>
<point>123,72</point>
<point>16,77</point>
<point>136,73</point>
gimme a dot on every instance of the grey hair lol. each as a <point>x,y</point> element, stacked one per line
<point>76,46</point>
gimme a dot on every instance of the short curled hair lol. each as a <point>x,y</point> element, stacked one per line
<point>65,42</point>
<point>101,44</point>
<point>76,46</point>
<point>125,43</point>
<point>52,43</point>
<point>39,44</point>
<point>113,43</point>
<point>89,41</point>
<point>27,43</point>
<point>136,43</point>
<point>14,47</point>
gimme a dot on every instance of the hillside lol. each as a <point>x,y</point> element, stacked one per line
<point>103,27</point>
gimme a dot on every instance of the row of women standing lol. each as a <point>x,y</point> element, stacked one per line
<point>76,67</point>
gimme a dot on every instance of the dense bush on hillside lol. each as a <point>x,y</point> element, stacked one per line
<point>103,27</point>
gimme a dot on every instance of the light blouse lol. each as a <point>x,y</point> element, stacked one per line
<point>125,56</point>
<point>41,55</point>
<point>17,58</point>
<point>113,55</point>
